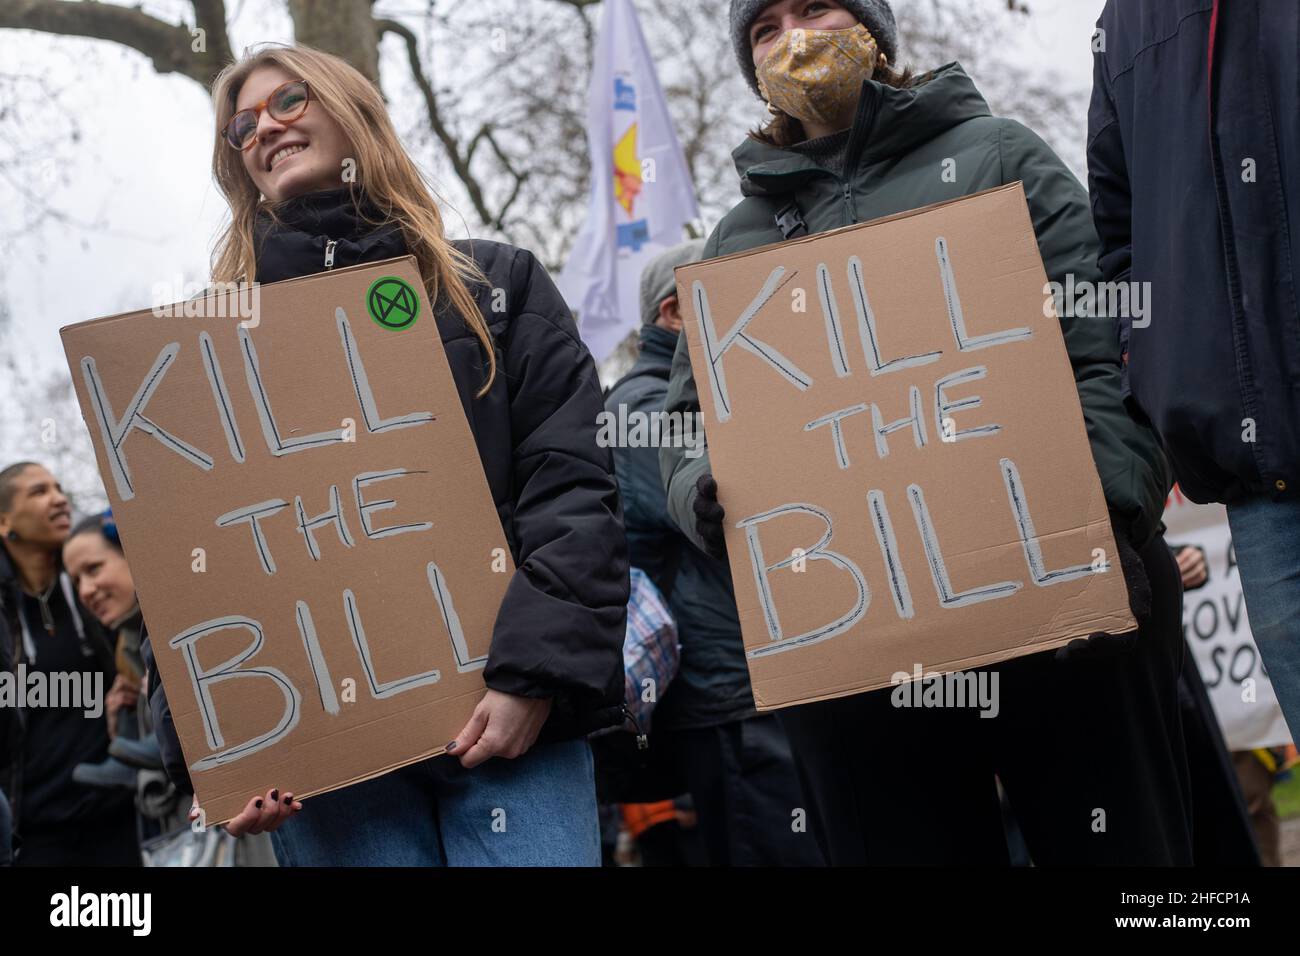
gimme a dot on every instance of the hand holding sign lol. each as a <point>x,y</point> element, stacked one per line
<point>921,492</point>
<point>1192,567</point>
<point>502,725</point>
<point>263,814</point>
<point>1139,598</point>
<point>708,517</point>
<point>316,550</point>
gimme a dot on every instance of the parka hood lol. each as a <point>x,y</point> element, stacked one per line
<point>889,122</point>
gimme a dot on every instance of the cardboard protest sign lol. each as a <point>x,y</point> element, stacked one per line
<point>897,439</point>
<point>314,544</point>
<point>1217,629</point>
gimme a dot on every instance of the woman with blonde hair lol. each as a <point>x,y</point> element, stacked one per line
<point>317,179</point>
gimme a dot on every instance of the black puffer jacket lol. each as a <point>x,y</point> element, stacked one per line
<point>39,746</point>
<point>559,633</point>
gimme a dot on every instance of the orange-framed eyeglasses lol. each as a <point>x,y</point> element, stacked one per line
<point>286,103</point>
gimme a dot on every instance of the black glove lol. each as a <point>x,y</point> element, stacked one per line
<point>1139,600</point>
<point>708,517</point>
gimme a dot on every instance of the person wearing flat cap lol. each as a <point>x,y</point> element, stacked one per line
<point>735,763</point>
<point>851,137</point>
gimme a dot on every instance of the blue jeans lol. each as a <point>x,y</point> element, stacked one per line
<point>1266,538</point>
<point>536,810</point>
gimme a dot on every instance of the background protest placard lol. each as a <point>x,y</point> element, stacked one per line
<point>897,438</point>
<point>1217,629</point>
<point>314,544</point>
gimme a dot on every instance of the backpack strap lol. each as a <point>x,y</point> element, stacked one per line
<point>790,220</point>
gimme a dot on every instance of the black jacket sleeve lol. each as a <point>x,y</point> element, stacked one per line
<point>679,472</point>
<point>161,711</point>
<point>1109,192</point>
<point>559,633</point>
<point>1108,181</point>
<point>1134,473</point>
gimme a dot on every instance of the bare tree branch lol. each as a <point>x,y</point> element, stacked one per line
<point>169,46</point>
<point>459,160</point>
<point>519,177</point>
<point>210,17</point>
<point>580,8</point>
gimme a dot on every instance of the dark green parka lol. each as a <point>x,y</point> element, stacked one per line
<point>902,142</point>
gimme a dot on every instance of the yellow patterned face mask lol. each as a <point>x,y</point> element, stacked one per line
<point>816,75</point>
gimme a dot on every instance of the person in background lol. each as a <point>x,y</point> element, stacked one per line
<point>1192,567</point>
<point>665,832</point>
<point>1193,134</point>
<point>102,579</point>
<point>735,763</point>
<point>1255,771</point>
<point>1221,828</point>
<point>57,821</point>
<point>1258,771</point>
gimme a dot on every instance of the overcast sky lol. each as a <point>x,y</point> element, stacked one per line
<point>142,165</point>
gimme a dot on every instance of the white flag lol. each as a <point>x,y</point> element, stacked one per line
<point>641,191</point>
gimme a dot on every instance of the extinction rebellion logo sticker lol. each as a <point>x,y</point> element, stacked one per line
<point>393,304</point>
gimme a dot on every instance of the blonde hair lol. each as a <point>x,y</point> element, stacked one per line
<point>391,180</point>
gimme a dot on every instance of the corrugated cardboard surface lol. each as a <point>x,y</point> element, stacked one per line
<point>310,385</point>
<point>763,456</point>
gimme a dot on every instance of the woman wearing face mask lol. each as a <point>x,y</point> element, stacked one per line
<point>292,123</point>
<point>851,139</point>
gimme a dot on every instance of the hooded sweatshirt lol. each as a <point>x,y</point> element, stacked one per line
<point>40,745</point>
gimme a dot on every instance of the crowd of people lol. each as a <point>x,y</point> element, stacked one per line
<point>1103,752</point>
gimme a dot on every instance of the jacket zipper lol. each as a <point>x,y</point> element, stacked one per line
<point>329,253</point>
<point>863,121</point>
<point>47,616</point>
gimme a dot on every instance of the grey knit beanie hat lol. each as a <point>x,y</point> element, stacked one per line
<point>876,15</point>
<point>657,282</point>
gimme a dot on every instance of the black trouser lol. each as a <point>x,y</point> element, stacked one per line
<point>1090,753</point>
<point>1221,830</point>
<point>6,832</point>
<point>670,844</point>
<point>110,840</point>
<point>746,791</point>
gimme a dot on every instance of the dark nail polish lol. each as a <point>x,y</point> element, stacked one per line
<point>451,747</point>
<point>288,799</point>
<point>258,804</point>
<point>275,795</point>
